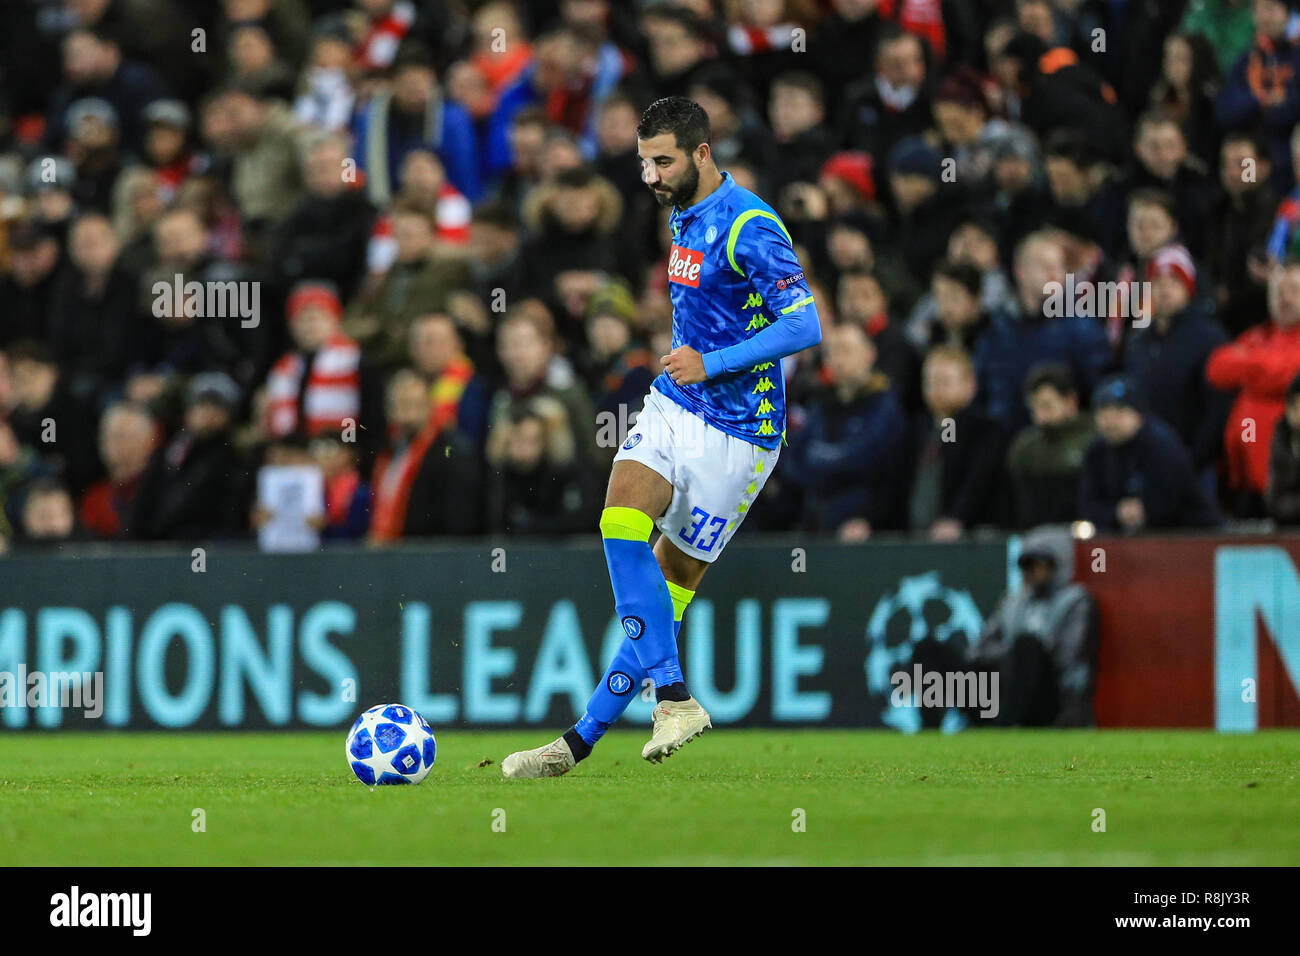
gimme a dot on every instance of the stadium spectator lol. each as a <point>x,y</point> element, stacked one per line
<point>326,95</point>
<point>1052,89</point>
<point>894,103</point>
<point>48,518</point>
<point>796,111</point>
<point>426,479</point>
<point>324,237</point>
<point>958,452</point>
<point>180,332</point>
<point>1239,221</point>
<point>1046,459</point>
<point>324,382</point>
<point>923,200</point>
<point>849,456</point>
<point>537,484</point>
<point>850,28</point>
<point>196,486</point>
<point>1164,163</point>
<point>526,347</point>
<point>619,366</point>
<point>167,147</point>
<point>1260,89</point>
<point>1082,186</point>
<point>51,191</point>
<point>1257,367</point>
<point>259,139</point>
<point>128,436</point>
<point>380,318</point>
<point>861,301</point>
<point>1228,25</point>
<point>29,287</point>
<point>347,493</point>
<point>1033,329</point>
<point>1166,358</point>
<point>460,395</point>
<point>94,318</point>
<point>1189,81</point>
<point>93,65</point>
<point>92,145</point>
<point>50,417</point>
<point>1017,197</point>
<point>1137,475</point>
<point>19,467</point>
<point>572,223</point>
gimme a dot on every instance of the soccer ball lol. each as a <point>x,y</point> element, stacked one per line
<point>391,744</point>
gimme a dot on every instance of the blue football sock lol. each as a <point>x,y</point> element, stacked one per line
<point>641,595</point>
<point>621,682</point>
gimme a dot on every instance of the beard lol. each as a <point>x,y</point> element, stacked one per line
<point>681,194</point>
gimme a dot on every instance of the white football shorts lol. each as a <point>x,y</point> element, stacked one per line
<point>715,476</point>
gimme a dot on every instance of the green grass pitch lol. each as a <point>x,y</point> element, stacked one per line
<point>982,797</point>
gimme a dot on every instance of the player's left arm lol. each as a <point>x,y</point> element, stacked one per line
<point>760,249</point>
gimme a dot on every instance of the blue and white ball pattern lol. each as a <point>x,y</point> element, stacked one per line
<point>391,744</point>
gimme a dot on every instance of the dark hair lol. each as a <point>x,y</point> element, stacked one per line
<point>961,272</point>
<point>1154,196</point>
<point>579,177</point>
<point>682,117</point>
<point>1072,145</point>
<point>891,33</point>
<point>493,212</point>
<point>800,80</point>
<point>1158,116</point>
<point>31,350</point>
<point>1054,375</point>
<point>40,487</point>
<point>1252,137</point>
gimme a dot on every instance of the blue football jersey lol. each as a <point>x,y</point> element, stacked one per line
<point>733,273</point>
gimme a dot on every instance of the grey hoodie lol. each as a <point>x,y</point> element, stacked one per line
<point>1063,617</point>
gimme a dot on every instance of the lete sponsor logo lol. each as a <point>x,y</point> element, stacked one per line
<point>684,266</point>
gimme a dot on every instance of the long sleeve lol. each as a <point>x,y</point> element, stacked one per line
<point>763,253</point>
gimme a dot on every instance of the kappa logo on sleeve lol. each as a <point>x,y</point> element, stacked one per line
<point>684,266</point>
<point>781,284</point>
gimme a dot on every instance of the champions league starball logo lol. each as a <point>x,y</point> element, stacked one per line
<point>920,606</point>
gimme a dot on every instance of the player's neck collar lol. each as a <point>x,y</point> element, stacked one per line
<point>710,199</point>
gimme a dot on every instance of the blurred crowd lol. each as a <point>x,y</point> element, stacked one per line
<point>405,242</point>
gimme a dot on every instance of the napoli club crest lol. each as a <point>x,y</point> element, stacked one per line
<point>619,684</point>
<point>711,233</point>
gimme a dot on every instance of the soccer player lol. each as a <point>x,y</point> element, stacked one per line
<point>708,435</point>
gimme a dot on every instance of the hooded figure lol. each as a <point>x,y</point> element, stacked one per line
<point>1042,638</point>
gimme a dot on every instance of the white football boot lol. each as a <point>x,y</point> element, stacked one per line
<point>676,722</point>
<point>553,760</point>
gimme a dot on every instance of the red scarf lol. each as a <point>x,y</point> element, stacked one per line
<point>333,389</point>
<point>390,490</point>
<point>447,390</point>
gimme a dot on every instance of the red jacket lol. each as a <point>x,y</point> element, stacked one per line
<point>1258,366</point>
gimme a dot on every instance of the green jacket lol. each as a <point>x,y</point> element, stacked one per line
<point>1228,26</point>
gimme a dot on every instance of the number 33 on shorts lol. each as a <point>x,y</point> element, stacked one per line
<point>698,535</point>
